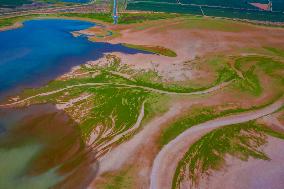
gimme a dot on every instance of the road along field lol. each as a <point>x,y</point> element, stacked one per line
<point>178,114</point>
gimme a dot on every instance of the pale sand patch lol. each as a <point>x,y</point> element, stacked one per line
<point>251,174</point>
<point>73,101</point>
<point>14,26</point>
<point>261,6</point>
<point>273,122</point>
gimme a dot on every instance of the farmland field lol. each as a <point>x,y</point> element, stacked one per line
<point>12,3</point>
<point>228,9</point>
<point>16,3</point>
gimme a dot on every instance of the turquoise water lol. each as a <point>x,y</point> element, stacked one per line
<point>44,49</point>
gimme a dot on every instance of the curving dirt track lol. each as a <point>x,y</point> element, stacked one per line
<point>166,161</point>
<point>209,90</point>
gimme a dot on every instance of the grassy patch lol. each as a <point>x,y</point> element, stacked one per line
<point>115,104</point>
<point>153,49</point>
<point>111,107</point>
<point>250,67</point>
<point>114,108</point>
<point>250,82</point>
<point>116,95</point>
<point>200,115</point>
<point>276,51</point>
<point>125,18</point>
<point>267,64</point>
<point>196,116</point>
<point>130,18</point>
<point>225,74</point>
<point>213,24</point>
<point>4,22</point>
<point>121,180</point>
<point>241,141</point>
<point>105,17</point>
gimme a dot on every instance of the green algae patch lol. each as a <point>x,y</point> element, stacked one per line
<point>242,141</point>
<point>153,49</point>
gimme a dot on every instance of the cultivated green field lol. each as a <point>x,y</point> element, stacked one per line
<point>227,9</point>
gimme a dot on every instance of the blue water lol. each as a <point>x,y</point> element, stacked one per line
<point>43,49</point>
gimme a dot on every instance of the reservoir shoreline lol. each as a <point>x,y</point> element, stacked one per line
<point>32,67</point>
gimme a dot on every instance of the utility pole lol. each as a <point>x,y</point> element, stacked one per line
<point>115,12</point>
<point>270,5</point>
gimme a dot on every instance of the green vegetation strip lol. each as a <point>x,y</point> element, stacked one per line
<point>250,67</point>
<point>153,49</point>
<point>242,141</point>
<point>125,18</point>
<point>120,180</point>
<point>116,109</point>
<point>201,115</point>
